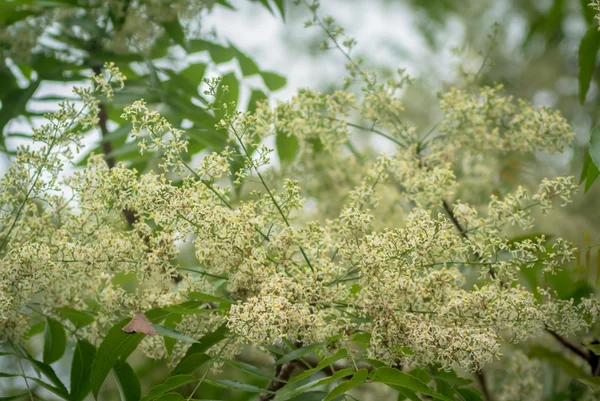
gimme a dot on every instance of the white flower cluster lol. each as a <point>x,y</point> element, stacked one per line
<point>492,122</point>
<point>161,135</point>
<point>311,115</point>
<point>519,378</point>
<point>515,209</point>
<point>409,284</point>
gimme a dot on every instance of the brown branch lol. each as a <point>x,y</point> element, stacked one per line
<point>453,218</point>
<point>107,146</point>
<point>592,359</point>
<point>282,373</point>
<point>575,348</point>
<point>462,230</point>
<point>483,384</point>
<point>129,215</point>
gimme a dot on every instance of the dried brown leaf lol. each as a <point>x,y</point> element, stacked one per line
<point>140,324</point>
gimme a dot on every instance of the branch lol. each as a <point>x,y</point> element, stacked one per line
<point>462,230</point>
<point>483,384</point>
<point>107,146</point>
<point>282,374</point>
<point>111,162</point>
<point>577,349</point>
<point>454,220</point>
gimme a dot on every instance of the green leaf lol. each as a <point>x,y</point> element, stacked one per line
<point>171,322</point>
<point>452,378</point>
<point>125,151</point>
<point>592,174</point>
<point>186,308</point>
<point>594,145</point>
<point>161,46</point>
<point>588,49</point>
<point>55,341</point>
<point>247,65</point>
<point>595,348</point>
<point>15,397</point>
<point>593,382</point>
<point>272,80</point>
<point>115,345</point>
<point>199,296</point>
<point>267,5</point>
<point>297,353</point>
<point>9,82</point>
<point>35,329</point>
<point>167,332</point>
<point>81,368</point>
<point>78,318</point>
<point>14,103</point>
<point>235,385</point>
<point>342,353</point>
<point>557,359</point>
<point>281,6</point>
<point>210,339</point>
<point>171,383</point>
<point>47,371</point>
<point>444,388</point>
<point>395,377</point>
<point>231,95</point>
<point>251,369</point>
<point>120,133</point>
<point>194,73</point>
<point>288,393</point>
<point>53,69</point>
<point>255,97</point>
<point>469,394</point>
<point>61,392</point>
<point>170,397</point>
<point>287,147</point>
<point>225,4</point>
<point>195,356</point>
<point>591,170</point>
<point>314,396</point>
<point>359,378</point>
<point>219,54</point>
<point>404,393</point>
<point>587,11</point>
<point>420,374</point>
<point>175,31</point>
<point>191,362</point>
<point>127,381</point>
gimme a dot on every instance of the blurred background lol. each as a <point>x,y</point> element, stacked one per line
<point>533,53</point>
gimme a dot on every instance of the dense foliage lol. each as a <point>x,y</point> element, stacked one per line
<point>418,268</point>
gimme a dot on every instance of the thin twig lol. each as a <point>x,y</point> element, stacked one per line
<point>22,370</point>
